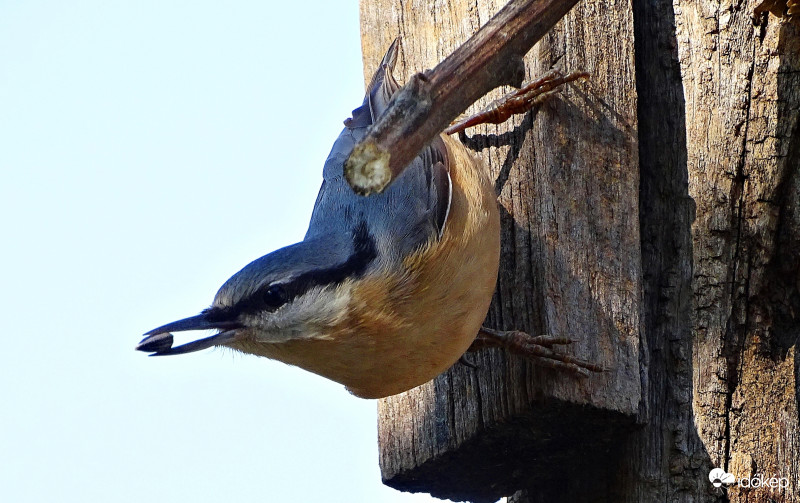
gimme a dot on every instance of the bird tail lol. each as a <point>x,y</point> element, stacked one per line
<point>383,84</point>
<point>380,90</point>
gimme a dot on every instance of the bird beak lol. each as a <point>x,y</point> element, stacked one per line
<point>159,341</point>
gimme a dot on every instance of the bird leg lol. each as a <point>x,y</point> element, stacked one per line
<point>538,349</point>
<point>516,102</point>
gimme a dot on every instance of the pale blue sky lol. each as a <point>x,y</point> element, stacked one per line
<point>149,150</point>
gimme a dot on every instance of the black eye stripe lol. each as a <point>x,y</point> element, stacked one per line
<point>271,297</point>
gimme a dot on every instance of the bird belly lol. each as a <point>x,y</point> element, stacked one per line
<point>404,327</point>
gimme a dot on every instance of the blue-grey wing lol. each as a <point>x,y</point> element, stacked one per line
<point>411,211</point>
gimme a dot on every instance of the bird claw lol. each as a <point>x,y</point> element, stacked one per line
<point>519,101</point>
<point>538,349</point>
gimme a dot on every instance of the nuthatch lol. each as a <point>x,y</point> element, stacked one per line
<point>384,292</point>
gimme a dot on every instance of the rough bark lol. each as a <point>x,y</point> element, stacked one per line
<point>567,180</point>
<point>742,89</point>
<point>707,276</point>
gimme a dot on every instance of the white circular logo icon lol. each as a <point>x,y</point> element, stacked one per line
<point>718,476</point>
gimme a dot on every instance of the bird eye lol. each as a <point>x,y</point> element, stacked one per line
<point>275,296</point>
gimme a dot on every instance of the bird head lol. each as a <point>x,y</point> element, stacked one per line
<point>292,293</point>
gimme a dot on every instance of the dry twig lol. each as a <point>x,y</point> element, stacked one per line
<point>427,104</point>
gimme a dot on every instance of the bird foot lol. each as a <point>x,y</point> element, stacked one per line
<point>538,349</point>
<point>518,101</point>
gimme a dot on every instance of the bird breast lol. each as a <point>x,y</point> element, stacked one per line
<point>403,327</point>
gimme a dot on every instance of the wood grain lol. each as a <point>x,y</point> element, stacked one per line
<point>567,181</point>
<point>742,92</point>
<point>715,121</point>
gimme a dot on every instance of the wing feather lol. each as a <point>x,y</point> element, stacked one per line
<point>412,210</point>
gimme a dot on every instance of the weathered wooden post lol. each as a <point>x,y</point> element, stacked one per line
<point>567,181</point>
<point>652,214</point>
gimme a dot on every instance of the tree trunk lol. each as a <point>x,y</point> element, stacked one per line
<point>653,215</point>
